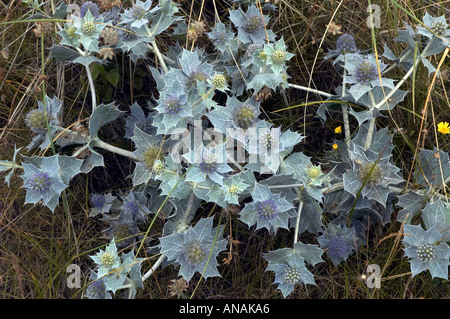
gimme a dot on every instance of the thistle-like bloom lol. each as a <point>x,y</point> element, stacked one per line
<point>138,14</point>
<point>101,203</point>
<point>196,250</point>
<point>221,37</point>
<point>135,206</point>
<point>364,74</point>
<point>250,25</point>
<point>193,68</point>
<point>43,182</point>
<point>339,242</point>
<point>346,44</point>
<point>89,29</point>
<point>370,175</point>
<point>89,6</point>
<point>219,81</point>
<point>444,128</point>
<point>37,120</point>
<point>150,150</point>
<point>270,211</point>
<point>427,250</point>
<point>207,163</point>
<point>173,108</point>
<point>123,229</point>
<point>276,56</point>
<point>291,273</point>
<point>97,289</point>
<point>107,260</point>
<point>435,27</point>
<point>338,130</point>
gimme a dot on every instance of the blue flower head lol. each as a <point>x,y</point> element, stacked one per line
<point>89,6</point>
<point>250,25</point>
<point>101,203</point>
<point>196,250</point>
<point>97,289</point>
<point>339,242</point>
<point>435,27</point>
<point>47,113</point>
<point>270,211</point>
<point>43,182</point>
<point>426,250</point>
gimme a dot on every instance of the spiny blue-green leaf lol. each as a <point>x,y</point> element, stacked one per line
<point>102,115</point>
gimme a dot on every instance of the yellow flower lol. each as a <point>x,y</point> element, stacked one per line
<point>444,128</point>
<point>338,130</point>
<point>335,146</point>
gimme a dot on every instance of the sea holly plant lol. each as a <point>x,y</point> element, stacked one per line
<point>205,140</point>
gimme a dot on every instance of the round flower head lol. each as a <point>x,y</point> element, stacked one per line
<point>245,116</point>
<point>158,167</point>
<point>219,81</point>
<point>338,246</point>
<point>346,44</point>
<point>98,201</point>
<point>40,183</point>
<point>438,27</point>
<point>88,28</point>
<point>96,290</point>
<point>233,189</point>
<point>89,6</point>
<point>130,208</point>
<point>36,120</point>
<point>151,154</point>
<point>107,259</point>
<point>426,252</point>
<point>278,57</point>
<point>195,252</point>
<point>252,48</point>
<point>196,75</point>
<point>209,164</point>
<point>128,34</point>
<point>370,173</point>
<point>267,209</point>
<point>253,23</point>
<point>172,104</point>
<point>292,275</point>
<point>138,12</point>
<point>366,72</point>
<point>71,32</point>
<point>339,242</point>
<point>110,36</point>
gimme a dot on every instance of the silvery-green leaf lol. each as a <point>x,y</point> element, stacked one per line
<point>102,115</point>
<point>310,253</point>
<point>431,68</point>
<point>70,167</point>
<point>429,167</point>
<point>436,214</point>
<point>412,203</point>
<point>295,164</point>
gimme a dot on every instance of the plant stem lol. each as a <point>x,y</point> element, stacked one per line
<point>345,111</point>
<point>297,224</point>
<point>154,267</point>
<point>371,124</point>
<point>413,67</point>
<point>304,88</point>
<point>101,144</point>
<point>159,56</point>
<point>92,87</point>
